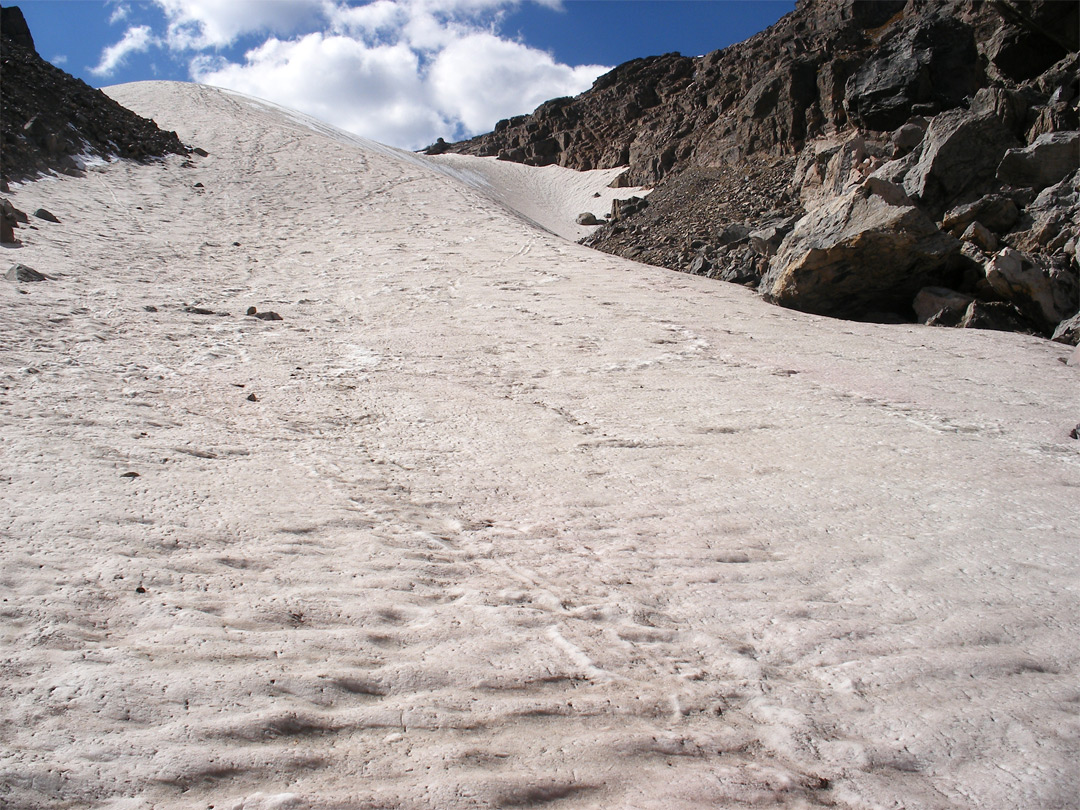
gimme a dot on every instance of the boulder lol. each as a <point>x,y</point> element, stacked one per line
<point>1047,161</point>
<point>742,267</point>
<point>48,216</point>
<point>1045,293</point>
<point>1068,331</point>
<point>9,218</point>
<point>946,317</point>
<point>996,212</point>
<point>998,316</point>
<point>979,235</point>
<point>871,249</point>
<point>733,233</point>
<point>587,218</point>
<point>959,156</point>
<point>938,302</point>
<point>843,168</point>
<point>439,147</point>
<point>20,272</point>
<point>1052,219</point>
<point>765,241</point>
<point>620,209</point>
<point>699,266</point>
<point>908,136</point>
<point>1009,106</point>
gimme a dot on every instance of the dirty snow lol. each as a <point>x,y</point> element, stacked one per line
<point>508,523</point>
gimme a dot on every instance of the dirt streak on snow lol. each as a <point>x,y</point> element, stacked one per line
<point>510,523</point>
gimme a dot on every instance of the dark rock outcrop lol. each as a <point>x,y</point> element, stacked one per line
<point>969,106</point>
<point>52,121</point>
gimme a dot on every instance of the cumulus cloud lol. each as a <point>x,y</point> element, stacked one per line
<point>200,24</point>
<point>480,78</point>
<point>373,91</point>
<point>136,39</point>
<point>404,72</point>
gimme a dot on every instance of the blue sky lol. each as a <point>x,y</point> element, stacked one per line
<point>401,71</point>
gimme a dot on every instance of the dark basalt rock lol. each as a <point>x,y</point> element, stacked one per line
<point>51,119</point>
<point>935,63</point>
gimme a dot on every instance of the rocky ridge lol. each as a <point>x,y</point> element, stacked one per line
<point>847,159</point>
<point>53,122</point>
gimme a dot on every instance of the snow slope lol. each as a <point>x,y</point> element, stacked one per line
<point>493,520</point>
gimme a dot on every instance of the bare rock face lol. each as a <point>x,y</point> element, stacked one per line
<point>1044,162</point>
<point>958,157</point>
<point>1045,293</point>
<point>869,250</point>
<point>933,64</point>
<point>51,119</point>
<point>994,211</point>
<point>1068,331</point>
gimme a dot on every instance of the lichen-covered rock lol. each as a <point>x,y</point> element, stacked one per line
<point>871,249</point>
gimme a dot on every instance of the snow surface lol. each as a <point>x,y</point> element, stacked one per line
<point>509,522</point>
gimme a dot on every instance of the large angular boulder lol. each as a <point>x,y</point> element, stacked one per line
<point>999,316</point>
<point>869,250</point>
<point>1054,219</point>
<point>1046,161</point>
<point>959,157</point>
<point>995,211</point>
<point>1045,293</point>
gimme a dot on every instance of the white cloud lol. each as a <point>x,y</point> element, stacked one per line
<point>373,91</point>
<point>59,59</point>
<point>119,14</point>
<point>403,72</point>
<point>199,24</point>
<point>137,39</point>
<point>481,78</point>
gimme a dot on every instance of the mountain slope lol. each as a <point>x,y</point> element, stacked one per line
<point>53,122</point>
<point>751,138</point>
<point>490,519</point>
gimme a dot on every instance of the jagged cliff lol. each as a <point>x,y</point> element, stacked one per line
<point>743,144</point>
